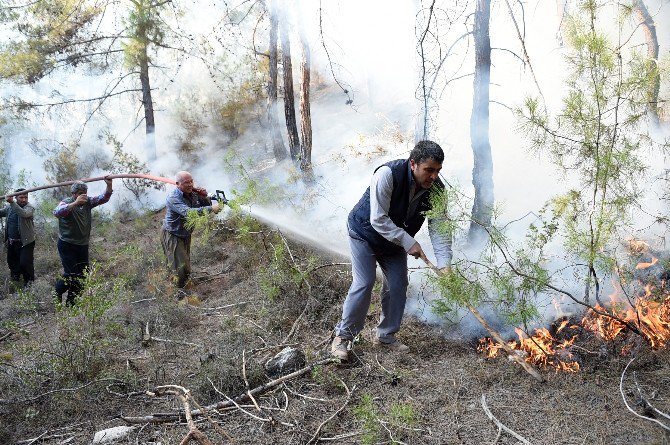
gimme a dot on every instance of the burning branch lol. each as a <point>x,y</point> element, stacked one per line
<point>513,355</point>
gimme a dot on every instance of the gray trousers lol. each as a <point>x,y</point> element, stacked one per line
<point>178,255</point>
<point>393,294</point>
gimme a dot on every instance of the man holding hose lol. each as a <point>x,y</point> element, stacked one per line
<point>175,237</point>
<point>74,232</point>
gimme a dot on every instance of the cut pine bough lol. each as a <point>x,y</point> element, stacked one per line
<point>513,355</point>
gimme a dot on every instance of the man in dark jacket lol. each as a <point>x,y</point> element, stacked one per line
<point>381,231</point>
<point>74,232</point>
<point>20,237</point>
<point>175,237</point>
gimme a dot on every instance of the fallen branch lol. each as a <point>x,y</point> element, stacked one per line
<point>147,338</point>
<point>53,391</point>
<point>184,394</point>
<point>496,336</point>
<point>315,436</point>
<point>623,396</point>
<point>500,425</point>
<point>174,416</point>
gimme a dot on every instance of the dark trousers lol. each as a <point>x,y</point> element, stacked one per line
<point>20,260</point>
<point>75,263</point>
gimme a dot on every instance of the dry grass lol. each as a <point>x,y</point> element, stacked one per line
<point>430,396</point>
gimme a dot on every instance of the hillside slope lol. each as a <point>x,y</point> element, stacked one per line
<point>65,374</point>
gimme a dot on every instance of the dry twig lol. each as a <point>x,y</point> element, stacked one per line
<point>500,425</point>
<point>625,401</point>
<point>172,416</point>
<point>184,395</point>
<point>315,436</point>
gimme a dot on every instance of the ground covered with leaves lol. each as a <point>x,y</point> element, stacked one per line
<point>66,373</point>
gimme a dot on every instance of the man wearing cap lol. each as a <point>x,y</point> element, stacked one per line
<point>20,237</point>
<point>175,237</point>
<point>74,232</point>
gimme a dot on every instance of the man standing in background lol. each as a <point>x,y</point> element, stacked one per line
<point>20,238</point>
<point>175,237</point>
<point>74,232</point>
<point>381,231</point>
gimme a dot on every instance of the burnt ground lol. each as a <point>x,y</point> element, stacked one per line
<point>65,374</point>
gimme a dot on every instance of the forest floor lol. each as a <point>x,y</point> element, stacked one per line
<point>67,373</point>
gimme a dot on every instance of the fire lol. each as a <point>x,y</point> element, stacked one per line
<point>650,317</point>
<point>649,314</point>
<point>541,349</point>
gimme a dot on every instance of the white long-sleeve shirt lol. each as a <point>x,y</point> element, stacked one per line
<point>381,189</point>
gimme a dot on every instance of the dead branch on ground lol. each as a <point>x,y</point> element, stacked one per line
<point>147,338</point>
<point>174,416</point>
<point>315,436</point>
<point>500,425</point>
<point>184,395</point>
<point>625,401</point>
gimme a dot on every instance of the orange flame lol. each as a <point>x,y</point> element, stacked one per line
<point>541,349</point>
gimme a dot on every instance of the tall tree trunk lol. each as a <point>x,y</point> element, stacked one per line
<point>482,172</point>
<point>562,10</point>
<point>305,113</point>
<point>647,23</point>
<point>289,99</point>
<point>147,103</point>
<point>277,142</point>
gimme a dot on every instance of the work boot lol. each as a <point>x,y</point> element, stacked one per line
<point>395,345</point>
<point>338,348</point>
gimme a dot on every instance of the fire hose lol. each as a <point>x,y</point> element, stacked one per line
<point>97,178</point>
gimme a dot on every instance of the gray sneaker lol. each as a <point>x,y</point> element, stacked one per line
<point>395,345</point>
<point>338,348</point>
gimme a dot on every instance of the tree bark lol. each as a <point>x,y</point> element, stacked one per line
<point>562,11</point>
<point>147,103</point>
<point>305,113</point>
<point>277,142</point>
<point>482,172</point>
<point>289,99</point>
<point>647,23</point>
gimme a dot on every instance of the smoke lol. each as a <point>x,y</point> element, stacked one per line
<point>369,48</point>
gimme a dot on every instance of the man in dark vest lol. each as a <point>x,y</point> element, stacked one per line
<point>381,231</point>
<point>20,238</point>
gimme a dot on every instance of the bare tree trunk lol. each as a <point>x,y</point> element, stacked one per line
<point>647,23</point>
<point>305,113</point>
<point>277,142</point>
<point>148,104</point>
<point>482,172</point>
<point>289,99</point>
<point>562,9</point>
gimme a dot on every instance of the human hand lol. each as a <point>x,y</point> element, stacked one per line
<point>201,191</point>
<point>215,207</point>
<point>416,251</point>
<point>108,181</point>
<point>446,270</point>
<point>81,200</point>
<point>10,199</point>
